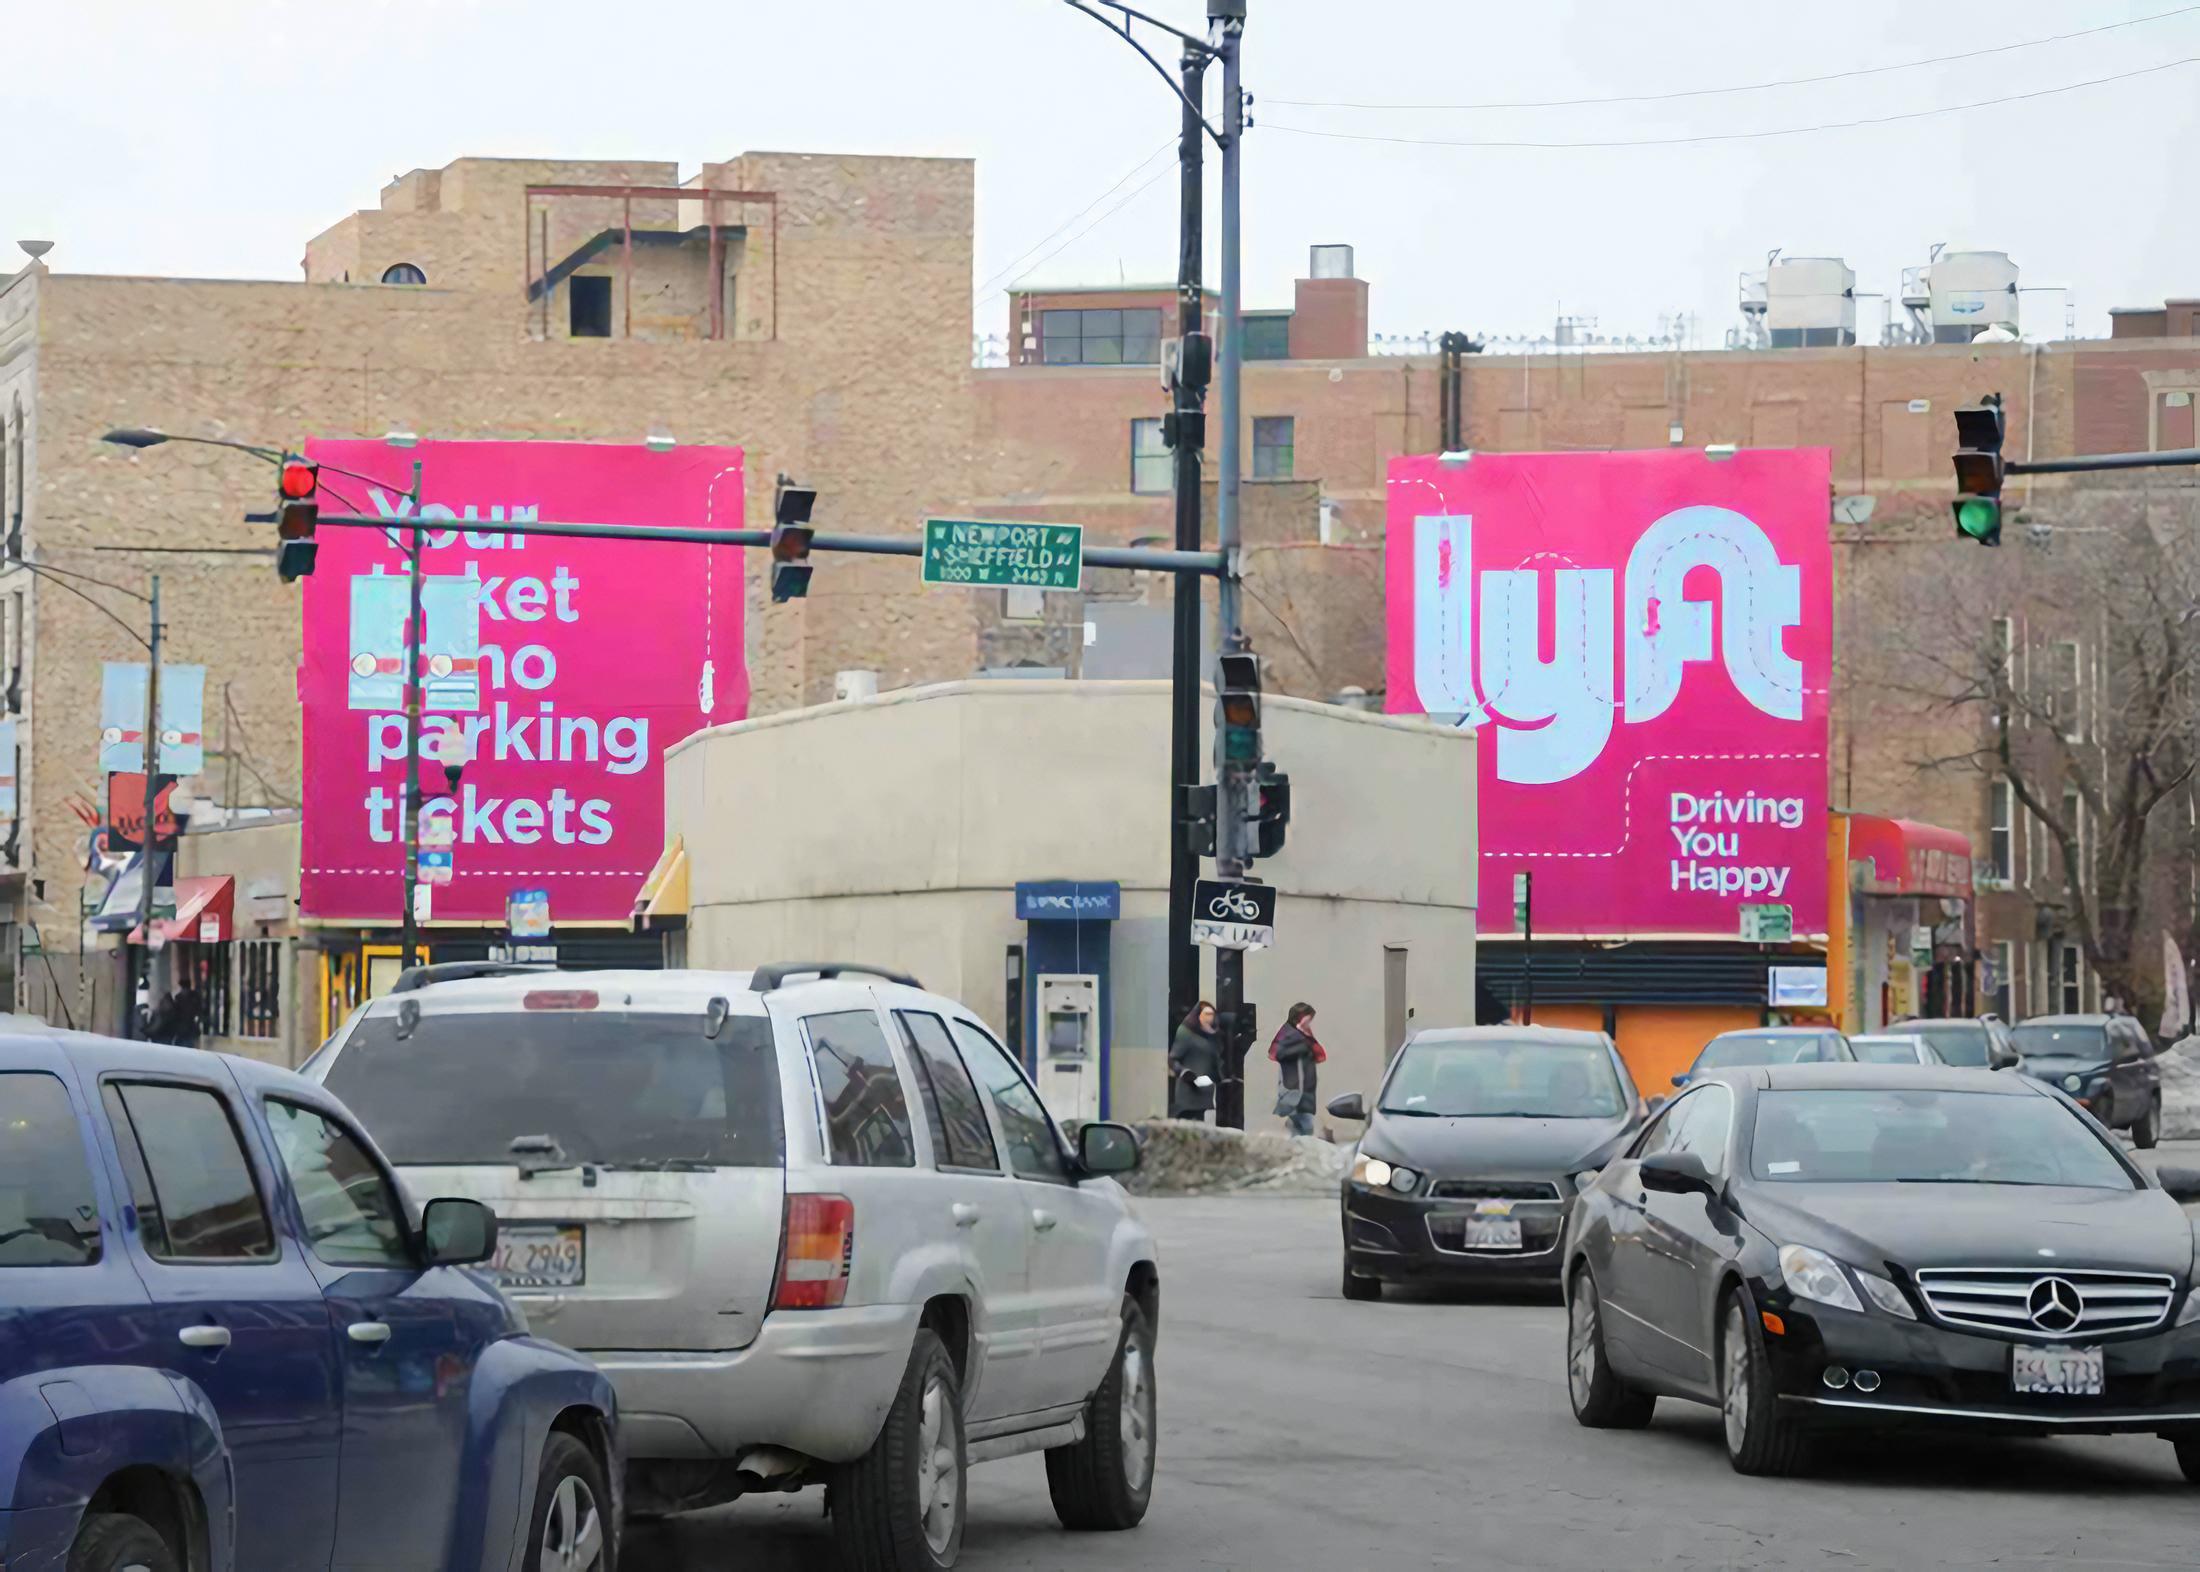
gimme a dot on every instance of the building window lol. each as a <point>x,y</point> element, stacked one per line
<point>1152,465</point>
<point>2005,654</point>
<point>2001,849</point>
<point>2078,869</point>
<point>1266,337</point>
<point>588,303</point>
<point>259,988</point>
<point>2002,996</point>
<point>2070,981</point>
<point>1273,439</point>
<point>2065,696</point>
<point>209,974</point>
<point>1106,337</point>
<point>2174,422</point>
<point>403,273</point>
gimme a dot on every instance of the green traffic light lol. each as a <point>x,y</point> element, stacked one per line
<point>1979,517</point>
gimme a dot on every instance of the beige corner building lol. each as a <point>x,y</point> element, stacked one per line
<point>1000,840</point>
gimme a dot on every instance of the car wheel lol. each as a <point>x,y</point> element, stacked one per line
<point>1601,1400</point>
<point>1760,1438</point>
<point>2147,1129</point>
<point>2188,1456</point>
<point>1358,1288</point>
<point>118,1542</point>
<point>1105,1481</point>
<point>900,1506</point>
<point>571,1530</point>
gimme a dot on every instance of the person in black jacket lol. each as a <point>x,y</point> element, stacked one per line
<point>1195,1065</point>
<point>1296,1052</point>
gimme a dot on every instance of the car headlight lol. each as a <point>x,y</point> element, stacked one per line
<point>1885,1294</point>
<point>1404,1180</point>
<point>2071,1083</point>
<point>1813,1274</point>
<point>1371,1171</point>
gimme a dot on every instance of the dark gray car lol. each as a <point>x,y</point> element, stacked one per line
<point>2106,1062</point>
<point>1466,1167</point>
<point>1757,1045</point>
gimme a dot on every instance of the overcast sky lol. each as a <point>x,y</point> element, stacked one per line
<point>212,139</point>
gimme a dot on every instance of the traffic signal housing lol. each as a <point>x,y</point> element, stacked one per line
<point>1271,809</point>
<point>297,514</point>
<point>1240,704</point>
<point>1979,471</point>
<point>791,534</point>
<point>1197,819</point>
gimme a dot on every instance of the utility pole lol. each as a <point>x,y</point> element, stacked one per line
<point>147,838</point>
<point>1234,805</point>
<point>413,642</point>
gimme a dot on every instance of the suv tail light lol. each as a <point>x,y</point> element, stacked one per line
<point>815,1255</point>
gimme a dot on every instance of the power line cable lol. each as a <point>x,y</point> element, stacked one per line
<point>1735,136</point>
<point>1129,197</point>
<point>1017,260</point>
<point>1747,87</point>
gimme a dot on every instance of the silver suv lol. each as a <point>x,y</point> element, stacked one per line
<point>812,1220</point>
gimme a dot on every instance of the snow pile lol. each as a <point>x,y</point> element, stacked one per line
<point>2181,1091</point>
<point>1182,1158</point>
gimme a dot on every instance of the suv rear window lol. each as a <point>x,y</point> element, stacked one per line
<point>612,1088</point>
<point>48,1216</point>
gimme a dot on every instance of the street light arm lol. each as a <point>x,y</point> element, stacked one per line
<point>1124,33</point>
<point>47,567</point>
<point>147,437</point>
<point>1193,39</point>
<point>62,583</point>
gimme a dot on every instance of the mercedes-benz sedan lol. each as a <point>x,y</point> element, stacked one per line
<point>1468,1161</point>
<point>1806,1246</point>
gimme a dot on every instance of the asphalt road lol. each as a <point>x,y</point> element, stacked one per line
<point>1299,1431</point>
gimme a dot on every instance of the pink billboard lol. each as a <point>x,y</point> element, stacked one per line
<point>1643,643</point>
<point>568,667</point>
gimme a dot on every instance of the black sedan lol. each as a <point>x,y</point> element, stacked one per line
<point>1808,1246</point>
<point>1467,1165</point>
<point>2105,1061</point>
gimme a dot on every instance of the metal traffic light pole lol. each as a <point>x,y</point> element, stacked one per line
<point>142,957</point>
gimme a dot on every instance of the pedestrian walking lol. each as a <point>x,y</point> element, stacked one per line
<point>186,1017</point>
<point>1195,1065</point>
<point>1297,1051</point>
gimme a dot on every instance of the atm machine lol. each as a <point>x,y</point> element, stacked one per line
<point>1068,1046</point>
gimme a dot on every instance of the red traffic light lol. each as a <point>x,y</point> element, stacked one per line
<point>300,477</point>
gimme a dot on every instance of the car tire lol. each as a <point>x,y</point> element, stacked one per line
<point>1761,1438</point>
<point>1602,1401</point>
<point>116,1541</point>
<point>2188,1456</point>
<point>2146,1130</point>
<point>900,1507</point>
<point>571,1528</point>
<point>1360,1289</point>
<point>1104,1483</point>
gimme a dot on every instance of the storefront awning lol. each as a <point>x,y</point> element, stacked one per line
<point>206,912</point>
<point>1904,857</point>
<point>664,894</point>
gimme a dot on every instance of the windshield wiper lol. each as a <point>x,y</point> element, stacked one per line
<point>538,1154</point>
<point>1417,1113</point>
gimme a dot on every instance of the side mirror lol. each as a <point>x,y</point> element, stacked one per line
<point>1681,1079</point>
<point>1107,1148</point>
<point>1350,1106</point>
<point>458,1232</point>
<point>1676,1173</point>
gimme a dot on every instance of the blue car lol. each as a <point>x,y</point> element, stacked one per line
<point>223,1343</point>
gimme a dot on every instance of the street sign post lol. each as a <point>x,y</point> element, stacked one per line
<point>979,552</point>
<point>1768,924</point>
<point>527,914</point>
<point>436,867</point>
<point>1233,916</point>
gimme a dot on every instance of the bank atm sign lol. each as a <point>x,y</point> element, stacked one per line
<point>1643,644</point>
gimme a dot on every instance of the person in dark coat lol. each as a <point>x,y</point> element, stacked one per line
<point>1297,1052</point>
<point>185,1017</point>
<point>1195,1056</point>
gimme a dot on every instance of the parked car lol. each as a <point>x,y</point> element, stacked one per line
<point>1894,1048</point>
<point>1769,1045</point>
<point>1470,1153</point>
<point>812,1220</point>
<point>226,1343</point>
<point>1976,1042</point>
<point>2106,1062</point>
<point>1819,1246</point>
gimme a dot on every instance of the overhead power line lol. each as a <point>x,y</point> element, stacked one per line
<point>1746,87</point>
<point>1017,261</point>
<point>1735,136</point>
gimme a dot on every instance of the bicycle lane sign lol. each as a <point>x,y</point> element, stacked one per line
<point>1234,916</point>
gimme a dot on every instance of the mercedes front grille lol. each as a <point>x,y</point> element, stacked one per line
<point>2058,1304</point>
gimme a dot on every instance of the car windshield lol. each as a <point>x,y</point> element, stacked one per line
<point>1743,1048</point>
<point>1964,1045</point>
<point>1885,1050</point>
<point>2037,1040</point>
<point>614,1088</point>
<point>1927,1137</point>
<point>1497,1078</point>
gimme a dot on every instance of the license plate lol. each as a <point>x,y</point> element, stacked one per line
<point>539,1258</point>
<point>1486,1233</point>
<point>2058,1372</point>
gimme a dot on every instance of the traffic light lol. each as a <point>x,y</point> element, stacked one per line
<point>791,534</point>
<point>1272,809</point>
<point>1198,820</point>
<point>1979,469</point>
<point>297,512</point>
<point>1240,695</point>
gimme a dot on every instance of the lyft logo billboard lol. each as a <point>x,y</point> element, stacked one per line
<point>564,666</point>
<point>1643,642</point>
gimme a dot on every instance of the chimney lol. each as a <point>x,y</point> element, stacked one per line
<point>1329,308</point>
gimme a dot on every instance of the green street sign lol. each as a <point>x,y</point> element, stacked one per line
<point>1768,924</point>
<point>979,552</point>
